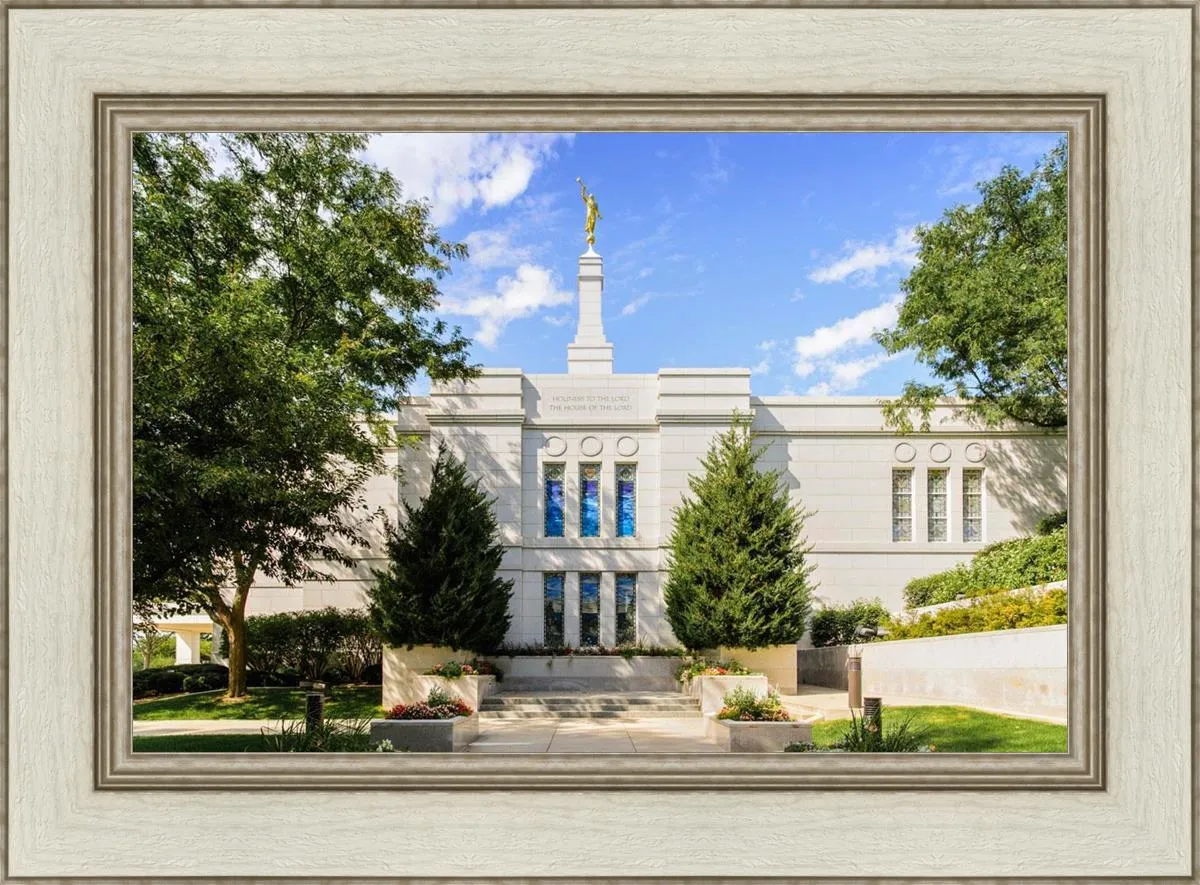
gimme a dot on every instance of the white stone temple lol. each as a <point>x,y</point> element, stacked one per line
<point>588,465</point>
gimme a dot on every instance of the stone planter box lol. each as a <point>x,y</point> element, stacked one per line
<point>588,673</point>
<point>427,735</point>
<point>756,737</point>
<point>711,690</point>
<point>777,662</point>
<point>405,682</point>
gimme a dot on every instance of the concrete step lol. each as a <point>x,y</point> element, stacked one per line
<point>631,713</point>
<point>582,698</point>
<point>584,705</point>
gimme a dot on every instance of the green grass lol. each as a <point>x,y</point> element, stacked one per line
<point>201,743</point>
<point>963,730</point>
<point>355,702</point>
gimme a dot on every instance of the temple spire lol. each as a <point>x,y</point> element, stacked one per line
<point>590,353</point>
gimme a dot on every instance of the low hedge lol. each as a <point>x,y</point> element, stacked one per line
<point>1010,611</point>
<point>179,679</point>
<point>836,624</point>
<point>1006,565</point>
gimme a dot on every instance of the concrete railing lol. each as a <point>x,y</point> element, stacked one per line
<point>1022,672</point>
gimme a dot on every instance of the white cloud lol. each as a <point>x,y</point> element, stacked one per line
<point>562,320</point>
<point>848,332</point>
<point>494,248</point>
<point>847,375</point>
<point>635,305</point>
<point>864,259</point>
<point>761,368</point>
<point>964,164</point>
<point>767,346</point>
<point>458,170</point>
<point>530,289</point>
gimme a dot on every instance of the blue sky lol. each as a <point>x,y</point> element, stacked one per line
<point>776,252</point>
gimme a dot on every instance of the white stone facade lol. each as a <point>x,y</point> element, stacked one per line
<point>835,454</point>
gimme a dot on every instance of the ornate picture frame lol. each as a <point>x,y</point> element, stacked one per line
<point>1119,80</point>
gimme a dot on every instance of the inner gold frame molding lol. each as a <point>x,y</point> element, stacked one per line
<point>117,117</point>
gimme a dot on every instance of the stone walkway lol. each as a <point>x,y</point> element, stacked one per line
<point>593,736</point>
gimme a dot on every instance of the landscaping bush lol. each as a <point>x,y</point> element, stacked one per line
<point>1009,611</point>
<point>458,669</point>
<point>438,705</point>
<point>331,736</point>
<point>745,706</point>
<point>329,645</point>
<point>837,624</point>
<point>1006,565</point>
<point>1050,522</point>
<point>442,585</point>
<point>739,575</point>
<point>867,736</point>
<point>179,679</point>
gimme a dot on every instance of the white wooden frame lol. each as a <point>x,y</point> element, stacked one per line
<point>1141,825</point>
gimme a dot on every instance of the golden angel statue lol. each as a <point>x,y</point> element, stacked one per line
<point>593,212</point>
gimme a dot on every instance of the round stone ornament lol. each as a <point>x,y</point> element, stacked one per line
<point>939,452</point>
<point>976,452</point>
<point>590,446</point>
<point>555,446</point>
<point>626,446</point>
<point>905,452</point>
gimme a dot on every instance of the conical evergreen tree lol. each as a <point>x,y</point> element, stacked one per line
<point>738,571</point>
<point>441,586</point>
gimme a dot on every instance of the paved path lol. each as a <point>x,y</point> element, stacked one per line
<point>592,736</point>
<point>148,728</point>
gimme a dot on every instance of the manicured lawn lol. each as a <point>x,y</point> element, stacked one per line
<point>201,743</point>
<point>354,702</point>
<point>963,730</point>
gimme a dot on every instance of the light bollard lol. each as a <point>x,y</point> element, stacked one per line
<point>314,710</point>
<point>854,680</point>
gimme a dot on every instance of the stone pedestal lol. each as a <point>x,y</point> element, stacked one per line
<point>590,353</point>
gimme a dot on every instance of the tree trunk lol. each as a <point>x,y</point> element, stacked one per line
<point>235,627</point>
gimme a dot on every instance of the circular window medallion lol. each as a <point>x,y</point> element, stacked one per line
<point>976,452</point>
<point>905,452</point>
<point>555,446</point>
<point>590,445</point>
<point>939,452</point>
<point>627,446</point>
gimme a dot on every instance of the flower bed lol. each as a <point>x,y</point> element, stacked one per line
<point>457,669</point>
<point>748,723</point>
<point>710,691</point>
<point>439,724</point>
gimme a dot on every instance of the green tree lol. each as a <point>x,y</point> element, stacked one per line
<point>738,570</point>
<point>441,586</point>
<point>280,309</point>
<point>986,305</point>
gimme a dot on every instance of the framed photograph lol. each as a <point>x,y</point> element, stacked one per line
<point>488,442</point>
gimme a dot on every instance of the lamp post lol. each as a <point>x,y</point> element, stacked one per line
<point>314,707</point>
<point>854,665</point>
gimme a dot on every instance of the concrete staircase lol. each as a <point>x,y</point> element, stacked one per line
<point>585,705</point>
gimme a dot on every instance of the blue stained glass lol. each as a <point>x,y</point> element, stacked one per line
<point>626,597</point>
<point>552,592</point>
<point>626,501</point>
<point>589,501</point>
<point>589,609</point>
<point>554,501</point>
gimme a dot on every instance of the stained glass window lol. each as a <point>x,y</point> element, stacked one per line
<point>902,515</point>
<point>972,505</point>
<point>589,500</point>
<point>552,595</point>
<point>626,609</point>
<point>554,499</point>
<point>589,609</point>
<point>938,486</point>
<point>626,500</point>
